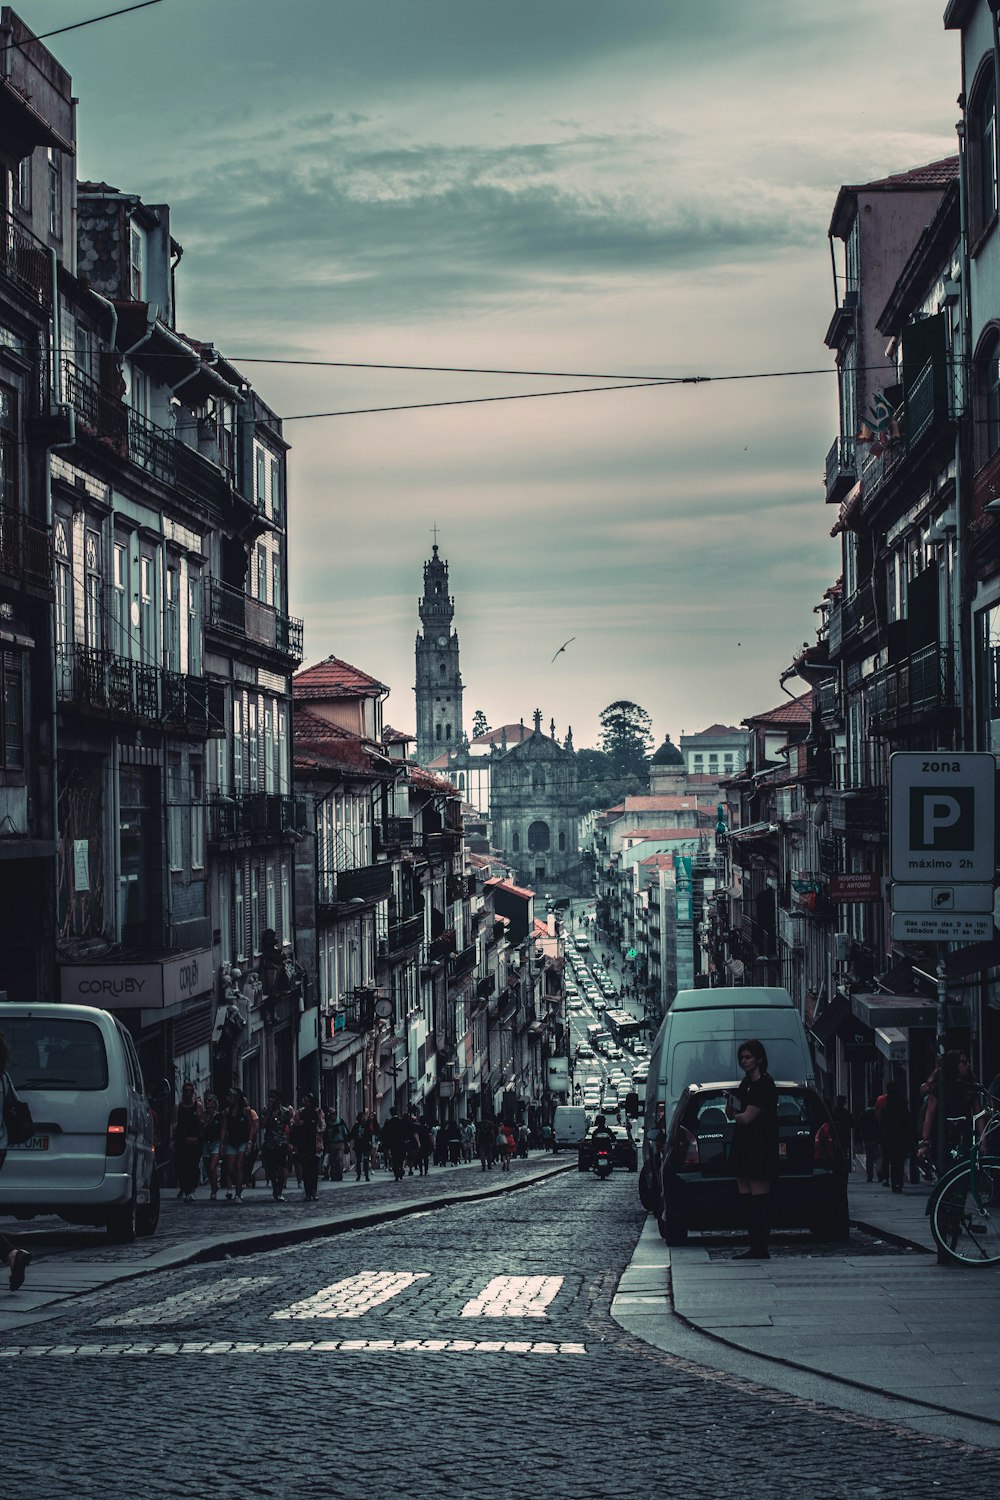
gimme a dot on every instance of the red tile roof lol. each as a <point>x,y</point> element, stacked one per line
<point>674,802</point>
<point>796,711</point>
<point>321,745</point>
<point>664,833</point>
<point>509,885</point>
<point>422,778</point>
<point>713,729</point>
<point>932,176</point>
<point>662,861</point>
<point>334,678</point>
<point>392,736</point>
<point>515,734</point>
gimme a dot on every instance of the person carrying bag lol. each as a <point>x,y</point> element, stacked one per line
<point>16,1127</point>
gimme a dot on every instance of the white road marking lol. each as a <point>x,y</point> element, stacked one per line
<point>186,1305</point>
<point>353,1296</point>
<point>514,1297</point>
<point>300,1346</point>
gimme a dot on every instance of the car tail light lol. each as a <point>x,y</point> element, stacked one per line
<point>824,1146</point>
<point>117,1122</point>
<point>689,1145</point>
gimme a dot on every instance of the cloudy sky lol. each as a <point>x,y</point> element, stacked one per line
<point>586,187</point>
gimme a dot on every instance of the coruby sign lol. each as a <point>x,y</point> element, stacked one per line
<point>138,986</point>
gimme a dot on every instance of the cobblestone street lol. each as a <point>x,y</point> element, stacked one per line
<point>467,1351</point>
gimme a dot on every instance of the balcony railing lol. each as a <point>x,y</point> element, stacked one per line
<point>392,833</point>
<point>828,701</point>
<point>841,469</point>
<point>26,261</point>
<point>25,549</point>
<point>152,448</point>
<point>236,614</point>
<point>261,816</point>
<point>859,814</point>
<point>464,962</point>
<point>103,682</point>
<point>919,687</point>
<point>402,936</point>
<point>857,613</point>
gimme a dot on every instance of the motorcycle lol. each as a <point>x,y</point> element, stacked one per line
<point>602,1162</point>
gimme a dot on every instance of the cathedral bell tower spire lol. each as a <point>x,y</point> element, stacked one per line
<point>438,677</point>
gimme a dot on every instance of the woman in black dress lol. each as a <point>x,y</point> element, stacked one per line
<point>754,1153</point>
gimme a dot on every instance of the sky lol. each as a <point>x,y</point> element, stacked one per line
<point>609,188</point>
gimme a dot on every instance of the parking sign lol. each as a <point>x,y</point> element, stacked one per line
<point>941,816</point>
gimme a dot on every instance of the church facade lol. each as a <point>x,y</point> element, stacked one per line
<point>533,808</point>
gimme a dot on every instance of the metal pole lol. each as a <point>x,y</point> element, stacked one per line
<point>942,1124</point>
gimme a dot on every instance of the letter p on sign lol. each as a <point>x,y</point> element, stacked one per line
<point>942,820</point>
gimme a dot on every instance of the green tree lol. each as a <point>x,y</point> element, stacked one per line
<point>626,737</point>
<point>600,784</point>
<point>479,724</point>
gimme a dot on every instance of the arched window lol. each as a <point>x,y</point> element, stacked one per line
<point>444,668</point>
<point>461,781</point>
<point>562,843</point>
<point>988,395</point>
<point>447,731</point>
<point>515,842</point>
<point>538,837</point>
<point>982,151</point>
<point>538,780</point>
<point>437,731</point>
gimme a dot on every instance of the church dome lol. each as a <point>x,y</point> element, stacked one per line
<point>668,755</point>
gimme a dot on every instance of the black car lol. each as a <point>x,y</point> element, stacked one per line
<point>698,1190</point>
<point>625,1154</point>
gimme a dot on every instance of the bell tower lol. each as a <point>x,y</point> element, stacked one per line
<point>439,680</point>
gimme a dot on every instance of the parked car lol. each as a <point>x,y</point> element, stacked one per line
<point>91,1159</point>
<point>698,1190</point>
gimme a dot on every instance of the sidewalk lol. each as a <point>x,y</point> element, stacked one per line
<point>68,1261</point>
<point>891,1322</point>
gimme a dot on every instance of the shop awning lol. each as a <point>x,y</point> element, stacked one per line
<point>901,1011</point>
<point>824,1026</point>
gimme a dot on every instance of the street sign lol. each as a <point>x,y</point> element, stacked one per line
<point>942,898</point>
<point>941,817</point>
<point>941,927</point>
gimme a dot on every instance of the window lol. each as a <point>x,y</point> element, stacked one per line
<point>175,813</point>
<point>262,575</point>
<point>55,193</point>
<point>270,746</point>
<point>252,747</point>
<point>135,261</point>
<point>240,932</point>
<point>270,912</point>
<point>8,447</point>
<point>982,152</point>
<point>24,184</point>
<point>699,759</point>
<point>515,843</point>
<point>562,843</point>
<point>94,591</point>
<point>171,618</point>
<point>276,583</point>
<point>119,620</point>
<point>276,510</point>
<point>237,746</point>
<point>261,480</point>
<point>254,910</point>
<point>988,381</point>
<point>197,815</point>
<point>538,837</point>
<point>194,623</point>
<point>64,605</point>
<point>12,709</point>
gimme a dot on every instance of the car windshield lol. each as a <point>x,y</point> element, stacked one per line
<point>49,1053</point>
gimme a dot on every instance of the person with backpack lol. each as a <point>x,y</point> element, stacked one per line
<point>275,1125</point>
<point>361,1139</point>
<point>307,1136</point>
<point>187,1142</point>
<point>10,1255</point>
<point>335,1142</point>
<point>486,1142</point>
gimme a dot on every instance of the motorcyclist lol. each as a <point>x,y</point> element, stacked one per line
<point>602,1137</point>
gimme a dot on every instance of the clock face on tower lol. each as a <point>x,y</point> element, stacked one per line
<point>442,640</point>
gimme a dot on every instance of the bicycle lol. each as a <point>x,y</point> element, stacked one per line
<point>964,1208</point>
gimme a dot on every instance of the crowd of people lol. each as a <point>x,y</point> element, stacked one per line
<point>221,1145</point>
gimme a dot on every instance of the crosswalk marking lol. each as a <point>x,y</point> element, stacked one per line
<point>186,1305</point>
<point>353,1296</point>
<point>514,1297</point>
<point>298,1346</point>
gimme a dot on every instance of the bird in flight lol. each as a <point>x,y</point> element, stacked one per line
<point>563,646</point>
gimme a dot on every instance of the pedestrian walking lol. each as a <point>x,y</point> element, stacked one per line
<point>523,1140</point>
<point>307,1134</point>
<point>843,1126</point>
<point>335,1142</point>
<point>426,1146</point>
<point>234,1140</point>
<point>754,1151</point>
<point>361,1139</point>
<point>486,1139</point>
<point>871,1138</point>
<point>211,1143</point>
<point>962,1095</point>
<point>10,1255</point>
<point>395,1136</point>
<point>275,1126</point>
<point>468,1140</point>
<point>187,1142</point>
<point>896,1124</point>
<point>453,1141</point>
<point>505,1146</point>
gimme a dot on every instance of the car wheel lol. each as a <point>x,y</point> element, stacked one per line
<point>671,1229</point>
<point>123,1222</point>
<point>148,1216</point>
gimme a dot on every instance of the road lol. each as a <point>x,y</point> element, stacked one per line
<point>467,1351</point>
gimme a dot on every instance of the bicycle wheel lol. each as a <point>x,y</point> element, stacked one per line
<point>965,1213</point>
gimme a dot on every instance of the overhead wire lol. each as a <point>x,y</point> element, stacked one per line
<point>38,36</point>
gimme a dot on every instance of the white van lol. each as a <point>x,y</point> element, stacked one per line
<point>699,1035</point>
<point>91,1158</point>
<point>569,1125</point>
